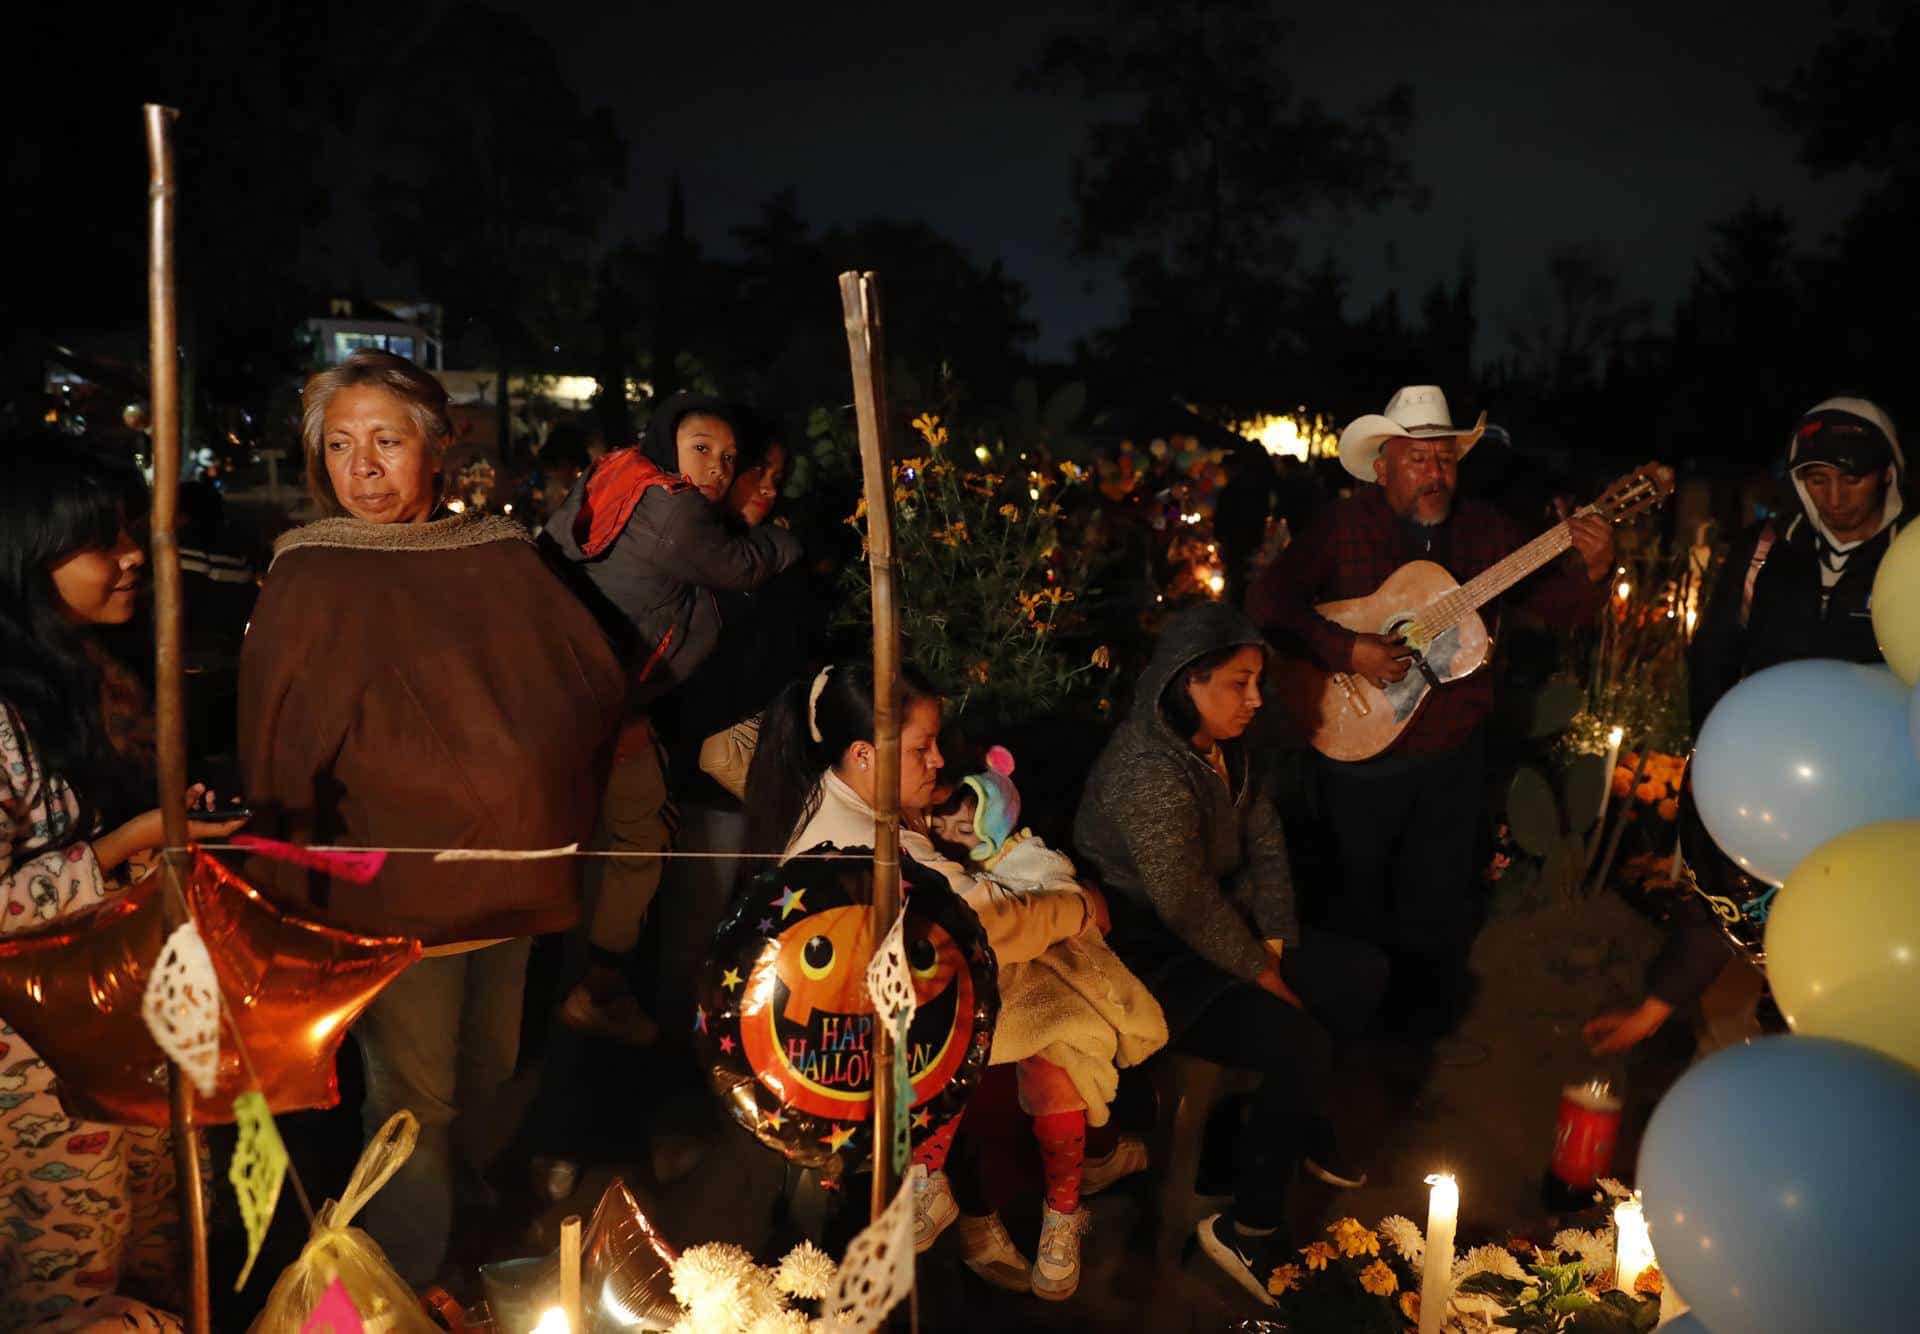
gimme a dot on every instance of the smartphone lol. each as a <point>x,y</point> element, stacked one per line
<point>221,814</point>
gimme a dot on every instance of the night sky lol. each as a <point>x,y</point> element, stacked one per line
<point>1536,124</point>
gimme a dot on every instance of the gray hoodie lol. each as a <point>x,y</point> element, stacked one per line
<point>1194,866</point>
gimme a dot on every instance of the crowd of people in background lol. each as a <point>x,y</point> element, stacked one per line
<point>649,674</point>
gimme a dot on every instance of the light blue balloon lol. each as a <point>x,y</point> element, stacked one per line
<point>1913,723</point>
<point>1782,1189</point>
<point>1801,753</point>
<point>1685,1324</point>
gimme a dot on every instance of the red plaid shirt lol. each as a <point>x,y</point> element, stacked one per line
<point>1356,543</point>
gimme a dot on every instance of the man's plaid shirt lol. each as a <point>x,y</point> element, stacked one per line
<point>1356,543</point>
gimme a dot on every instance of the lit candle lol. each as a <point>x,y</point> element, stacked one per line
<point>1632,1246</point>
<point>1436,1280</point>
<point>553,1321</point>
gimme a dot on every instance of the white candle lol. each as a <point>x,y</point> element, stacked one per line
<point>553,1321</point>
<point>1632,1246</point>
<point>1436,1280</point>
<point>1614,738</point>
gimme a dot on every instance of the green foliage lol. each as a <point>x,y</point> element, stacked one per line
<point>1553,800</point>
<point>986,585</point>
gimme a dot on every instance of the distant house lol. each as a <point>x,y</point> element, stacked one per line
<point>410,329</point>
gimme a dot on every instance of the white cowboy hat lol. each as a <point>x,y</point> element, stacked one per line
<point>1416,412</point>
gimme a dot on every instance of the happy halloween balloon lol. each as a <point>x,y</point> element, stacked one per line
<point>786,1026</point>
<point>292,987</point>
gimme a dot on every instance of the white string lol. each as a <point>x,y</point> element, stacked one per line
<point>537,854</point>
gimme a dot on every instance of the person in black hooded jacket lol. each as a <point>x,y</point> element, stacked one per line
<point>1181,832</point>
<point>641,541</point>
<point>1791,589</point>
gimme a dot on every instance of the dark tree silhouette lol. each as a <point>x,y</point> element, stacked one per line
<point>494,184</point>
<point>1196,178</point>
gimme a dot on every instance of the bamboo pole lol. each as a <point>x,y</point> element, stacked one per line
<point>570,1273</point>
<point>867,346</point>
<point>163,355</point>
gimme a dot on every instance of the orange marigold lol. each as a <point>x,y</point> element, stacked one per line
<point>1285,1279</point>
<point>1410,1306</point>
<point>1379,1279</point>
<point>1354,1240</point>
<point>1670,809</point>
<point>1651,1282</point>
<point>1319,1255</point>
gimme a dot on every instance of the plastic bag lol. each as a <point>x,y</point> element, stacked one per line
<point>335,1250</point>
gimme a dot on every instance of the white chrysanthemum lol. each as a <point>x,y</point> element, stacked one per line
<point>1487,1260</point>
<point>716,1284</point>
<point>1405,1237</point>
<point>781,1321</point>
<point>808,1272</point>
<point>1595,1250</point>
<point>1613,1190</point>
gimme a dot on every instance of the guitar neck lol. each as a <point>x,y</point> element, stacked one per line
<point>1496,579</point>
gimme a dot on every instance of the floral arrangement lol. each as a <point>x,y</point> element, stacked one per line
<point>1651,780</point>
<point>724,1291</point>
<point>1634,657</point>
<point>1367,1281</point>
<point>987,585</point>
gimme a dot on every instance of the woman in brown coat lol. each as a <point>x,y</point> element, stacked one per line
<point>419,682</point>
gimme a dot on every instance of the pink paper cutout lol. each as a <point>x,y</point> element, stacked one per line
<point>359,867</point>
<point>334,1313</point>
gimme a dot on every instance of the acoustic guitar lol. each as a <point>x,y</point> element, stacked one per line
<point>1348,717</point>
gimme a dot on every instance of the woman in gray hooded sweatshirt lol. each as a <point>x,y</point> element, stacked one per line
<point>1186,840</point>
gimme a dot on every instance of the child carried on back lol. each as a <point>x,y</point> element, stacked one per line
<point>1069,1019</point>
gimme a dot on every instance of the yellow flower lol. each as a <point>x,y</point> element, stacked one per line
<point>930,430</point>
<point>859,512</point>
<point>954,534</point>
<point>901,495</point>
<point>1319,1255</point>
<point>1103,657</point>
<point>1651,1282</point>
<point>1379,1280</point>
<point>1285,1279</point>
<point>1009,512</point>
<point>979,672</point>
<point>1410,1306</point>
<point>1072,472</point>
<point>1354,1240</point>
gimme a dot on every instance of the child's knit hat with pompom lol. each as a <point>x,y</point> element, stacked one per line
<point>998,814</point>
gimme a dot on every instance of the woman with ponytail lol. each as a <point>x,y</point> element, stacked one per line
<point>811,782</point>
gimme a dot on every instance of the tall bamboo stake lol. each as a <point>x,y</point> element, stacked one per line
<point>163,355</point>
<point>867,345</point>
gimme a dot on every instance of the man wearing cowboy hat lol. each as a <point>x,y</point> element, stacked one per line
<point>1405,821</point>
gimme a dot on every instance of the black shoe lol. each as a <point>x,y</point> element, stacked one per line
<point>1324,1161</point>
<point>1246,1260</point>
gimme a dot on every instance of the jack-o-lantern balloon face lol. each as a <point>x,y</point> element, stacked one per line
<point>783,1020</point>
<point>807,1020</point>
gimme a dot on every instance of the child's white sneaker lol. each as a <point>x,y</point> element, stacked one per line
<point>989,1252</point>
<point>933,1208</point>
<point>1056,1264</point>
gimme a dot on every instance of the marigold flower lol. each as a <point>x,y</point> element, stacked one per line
<point>859,512</point>
<point>1670,809</point>
<point>1072,472</point>
<point>1651,1282</point>
<point>1010,512</point>
<point>980,671</point>
<point>1103,657</point>
<point>1622,782</point>
<point>931,431</point>
<point>1285,1279</point>
<point>1354,1240</point>
<point>1410,1306</point>
<point>1379,1279</point>
<point>1319,1255</point>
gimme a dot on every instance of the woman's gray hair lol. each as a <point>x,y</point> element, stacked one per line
<point>425,397</point>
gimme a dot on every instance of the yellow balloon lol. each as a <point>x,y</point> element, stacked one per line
<point>1896,605</point>
<point>1843,941</point>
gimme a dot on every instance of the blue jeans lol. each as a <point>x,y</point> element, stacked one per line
<point>439,1042</point>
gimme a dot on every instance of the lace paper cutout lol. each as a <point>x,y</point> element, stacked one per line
<point>876,1274</point>
<point>258,1170</point>
<point>182,1007</point>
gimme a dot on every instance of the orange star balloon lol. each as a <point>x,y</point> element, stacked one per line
<point>291,987</point>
